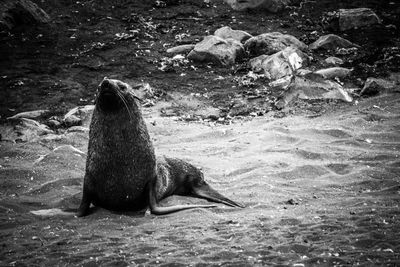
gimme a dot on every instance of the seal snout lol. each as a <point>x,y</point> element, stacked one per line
<point>106,86</point>
<point>108,98</point>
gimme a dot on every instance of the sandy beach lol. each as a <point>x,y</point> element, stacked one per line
<point>318,191</point>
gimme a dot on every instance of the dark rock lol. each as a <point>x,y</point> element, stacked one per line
<point>15,13</point>
<point>270,43</point>
<point>374,86</point>
<point>357,18</point>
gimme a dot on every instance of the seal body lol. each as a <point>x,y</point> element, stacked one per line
<point>121,168</point>
<point>120,160</point>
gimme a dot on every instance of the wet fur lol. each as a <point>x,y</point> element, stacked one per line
<point>121,168</point>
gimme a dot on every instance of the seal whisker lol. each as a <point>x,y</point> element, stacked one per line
<point>125,104</point>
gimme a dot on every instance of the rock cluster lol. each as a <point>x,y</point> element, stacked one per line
<point>286,62</point>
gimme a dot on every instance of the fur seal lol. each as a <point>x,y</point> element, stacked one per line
<point>122,172</point>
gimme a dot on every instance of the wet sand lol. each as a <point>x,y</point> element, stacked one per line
<point>318,191</point>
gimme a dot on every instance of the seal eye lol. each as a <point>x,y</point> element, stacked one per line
<point>122,87</point>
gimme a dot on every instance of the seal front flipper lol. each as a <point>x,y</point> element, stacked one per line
<point>207,192</point>
<point>83,209</point>
<point>158,210</point>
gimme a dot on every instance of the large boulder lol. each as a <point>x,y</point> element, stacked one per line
<point>269,5</point>
<point>313,88</point>
<point>15,13</point>
<point>217,50</point>
<point>357,18</point>
<point>270,43</point>
<point>280,64</point>
<point>331,42</point>
<point>226,32</point>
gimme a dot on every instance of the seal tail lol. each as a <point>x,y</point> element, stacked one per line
<point>158,210</point>
<point>207,192</point>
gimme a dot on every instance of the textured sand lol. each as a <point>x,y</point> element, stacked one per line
<point>322,190</point>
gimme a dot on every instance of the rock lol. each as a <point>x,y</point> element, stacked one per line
<point>72,120</point>
<point>52,212</point>
<point>29,114</point>
<point>269,5</point>
<point>239,107</point>
<point>81,115</point>
<point>59,154</point>
<point>312,89</point>
<point>217,50</point>
<point>180,49</point>
<point>335,61</point>
<point>30,130</point>
<point>334,72</point>
<point>282,83</point>
<point>280,64</point>
<point>270,43</point>
<point>15,13</point>
<point>374,86</point>
<point>331,42</point>
<point>80,129</point>
<point>227,33</point>
<point>54,122</point>
<point>303,72</point>
<point>357,18</point>
<point>144,91</point>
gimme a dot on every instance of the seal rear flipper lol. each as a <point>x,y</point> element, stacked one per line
<point>158,210</point>
<point>207,192</point>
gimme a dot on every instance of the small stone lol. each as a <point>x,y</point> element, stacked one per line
<point>80,129</point>
<point>180,49</point>
<point>331,42</point>
<point>334,72</point>
<point>29,114</point>
<point>334,61</point>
